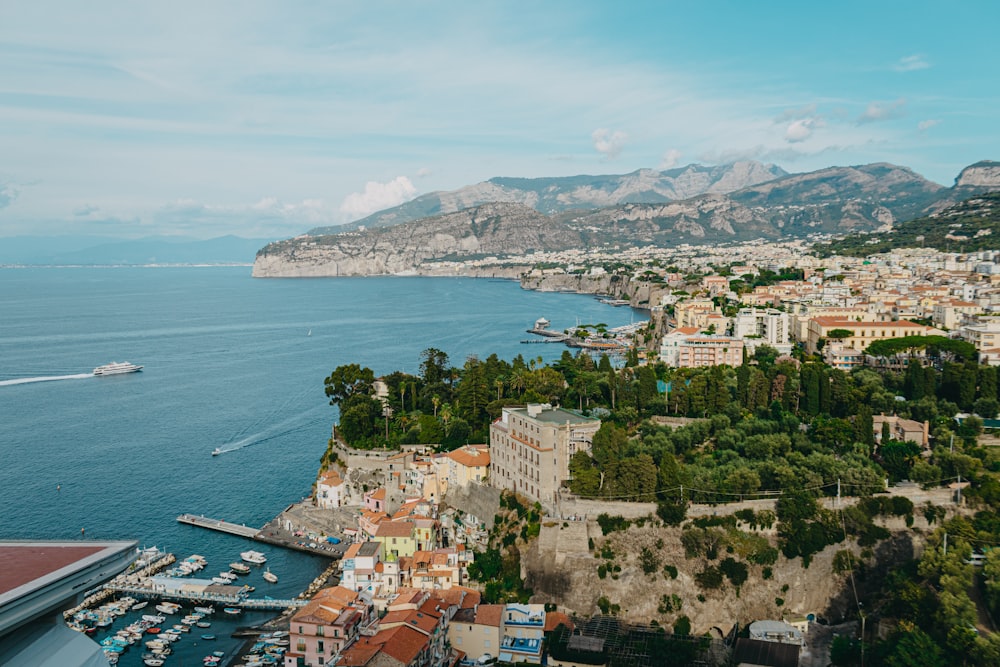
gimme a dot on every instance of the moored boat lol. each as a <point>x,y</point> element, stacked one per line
<point>270,576</point>
<point>235,611</point>
<point>239,568</point>
<point>255,557</point>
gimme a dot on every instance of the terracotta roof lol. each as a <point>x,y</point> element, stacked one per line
<point>394,529</point>
<point>331,478</point>
<point>352,551</point>
<point>470,458</point>
<point>402,643</point>
<point>24,563</point>
<point>472,596</point>
<point>489,614</point>
<point>360,653</point>
<point>851,324</point>
<point>336,595</point>
<point>687,331</point>
<point>378,494</point>
<point>554,619</point>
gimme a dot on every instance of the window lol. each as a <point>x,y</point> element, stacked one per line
<point>319,630</point>
<point>319,646</point>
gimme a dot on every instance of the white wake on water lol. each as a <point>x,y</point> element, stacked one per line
<point>270,433</point>
<point>47,378</point>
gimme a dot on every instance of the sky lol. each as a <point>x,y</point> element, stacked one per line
<point>265,119</point>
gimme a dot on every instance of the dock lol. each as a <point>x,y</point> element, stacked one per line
<point>218,524</point>
<point>203,596</point>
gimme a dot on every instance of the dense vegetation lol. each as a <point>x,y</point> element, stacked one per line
<point>971,225</point>
<point>775,425</point>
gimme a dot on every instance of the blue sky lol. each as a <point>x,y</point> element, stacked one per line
<point>266,119</point>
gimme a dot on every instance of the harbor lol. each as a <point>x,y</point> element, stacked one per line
<point>283,531</point>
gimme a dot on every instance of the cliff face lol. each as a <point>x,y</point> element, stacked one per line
<point>496,229</point>
<point>985,174</point>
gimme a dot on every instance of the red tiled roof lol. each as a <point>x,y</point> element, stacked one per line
<point>489,614</point>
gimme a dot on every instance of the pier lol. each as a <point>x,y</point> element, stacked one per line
<point>218,524</point>
<point>203,596</point>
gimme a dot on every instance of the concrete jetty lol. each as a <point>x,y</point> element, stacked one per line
<point>218,524</point>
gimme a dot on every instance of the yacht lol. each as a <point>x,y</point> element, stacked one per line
<point>117,368</point>
<point>216,451</point>
<point>255,557</point>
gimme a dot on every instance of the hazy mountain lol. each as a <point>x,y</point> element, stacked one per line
<point>837,200</point>
<point>89,250</point>
<point>557,194</point>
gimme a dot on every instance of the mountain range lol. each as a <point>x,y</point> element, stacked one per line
<point>738,202</point>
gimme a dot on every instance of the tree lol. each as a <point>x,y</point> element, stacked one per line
<point>433,365</point>
<point>916,649</point>
<point>839,334</point>
<point>346,381</point>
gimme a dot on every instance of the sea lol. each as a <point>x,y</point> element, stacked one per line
<point>229,362</point>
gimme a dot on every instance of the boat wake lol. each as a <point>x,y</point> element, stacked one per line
<point>266,435</point>
<point>46,378</point>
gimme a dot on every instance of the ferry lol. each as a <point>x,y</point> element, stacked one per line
<point>117,368</point>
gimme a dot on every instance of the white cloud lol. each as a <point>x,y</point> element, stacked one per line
<point>423,172</point>
<point>925,125</point>
<point>670,159</point>
<point>911,63</point>
<point>8,193</point>
<point>799,130</point>
<point>377,197</point>
<point>609,144</point>
<point>878,111</point>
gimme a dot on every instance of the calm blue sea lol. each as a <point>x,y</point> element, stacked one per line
<point>228,362</point>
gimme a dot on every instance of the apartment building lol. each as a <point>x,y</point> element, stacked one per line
<point>319,631</point>
<point>863,334</point>
<point>687,347</point>
<point>531,446</point>
<point>763,327</point>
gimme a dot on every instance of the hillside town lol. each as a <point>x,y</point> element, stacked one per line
<point>405,594</point>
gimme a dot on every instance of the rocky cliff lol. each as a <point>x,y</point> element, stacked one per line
<point>985,174</point>
<point>554,195</point>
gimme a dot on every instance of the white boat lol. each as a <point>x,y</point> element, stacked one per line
<point>239,568</point>
<point>216,451</point>
<point>205,610</point>
<point>270,576</point>
<point>153,662</point>
<point>117,368</point>
<point>139,605</point>
<point>255,557</point>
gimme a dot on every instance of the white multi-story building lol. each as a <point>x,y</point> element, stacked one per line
<point>687,347</point>
<point>530,449</point>
<point>763,327</point>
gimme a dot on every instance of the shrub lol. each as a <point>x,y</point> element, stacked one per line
<point>735,571</point>
<point>767,573</point>
<point>778,601</point>
<point>710,577</point>
<point>604,604</point>
<point>682,627</point>
<point>610,524</point>
<point>649,560</point>
<point>669,571</point>
<point>602,570</point>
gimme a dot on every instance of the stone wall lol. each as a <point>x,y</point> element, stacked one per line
<point>481,501</point>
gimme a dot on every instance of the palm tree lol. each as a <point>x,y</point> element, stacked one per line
<point>519,380</point>
<point>446,416</point>
<point>499,384</point>
<point>436,400</point>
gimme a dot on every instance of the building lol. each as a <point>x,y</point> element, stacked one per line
<point>775,631</point>
<point>863,334</point>
<point>319,631</point>
<point>763,327</point>
<point>687,347</point>
<point>467,464</point>
<point>903,430</point>
<point>330,490</point>
<point>38,580</point>
<point>478,631</point>
<point>397,539</point>
<point>523,632</point>
<point>530,449</point>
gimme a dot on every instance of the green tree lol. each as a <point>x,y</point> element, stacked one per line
<point>915,649</point>
<point>433,365</point>
<point>346,381</point>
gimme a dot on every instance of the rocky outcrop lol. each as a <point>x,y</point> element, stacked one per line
<point>985,174</point>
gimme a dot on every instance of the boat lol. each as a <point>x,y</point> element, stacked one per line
<point>233,610</point>
<point>117,368</point>
<point>239,568</point>
<point>208,637</point>
<point>216,451</point>
<point>255,557</point>
<point>153,662</point>
<point>203,624</point>
<point>167,608</point>
<point>270,576</point>
<point>139,605</point>
<point>205,610</point>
